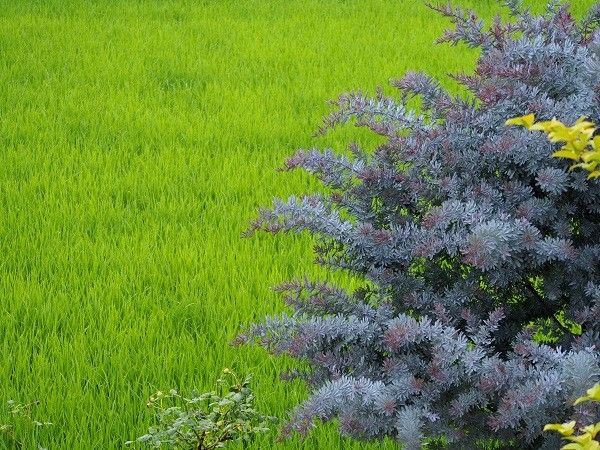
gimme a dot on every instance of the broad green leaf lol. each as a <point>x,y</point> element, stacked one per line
<point>566,429</point>
<point>569,154</point>
<point>590,156</point>
<point>583,126</point>
<point>561,134</point>
<point>572,446</point>
<point>525,121</point>
<point>583,439</point>
<point>547,125</point>
<point>587,166</point>
<point>592,429</point>
<point>594,392</point>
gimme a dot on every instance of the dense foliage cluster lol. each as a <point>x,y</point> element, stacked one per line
<point>479,251</point>
<point>205,421</point>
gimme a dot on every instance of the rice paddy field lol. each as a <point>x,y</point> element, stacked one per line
<point>137,140</point>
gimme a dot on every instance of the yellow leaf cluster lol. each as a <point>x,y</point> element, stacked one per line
<point>593,394</point>
<point>579,142</point>
<point>586,439</point>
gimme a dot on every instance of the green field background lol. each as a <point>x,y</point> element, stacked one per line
<point>138,138</point>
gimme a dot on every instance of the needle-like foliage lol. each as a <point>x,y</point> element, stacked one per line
<point>480,252</point>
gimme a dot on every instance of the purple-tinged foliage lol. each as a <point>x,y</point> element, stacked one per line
<point>480,252</point>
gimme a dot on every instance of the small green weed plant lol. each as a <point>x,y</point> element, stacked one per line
<point>22,421</point>
<point>205,421</point>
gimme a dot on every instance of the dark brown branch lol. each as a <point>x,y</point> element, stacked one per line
<point>554,309</point>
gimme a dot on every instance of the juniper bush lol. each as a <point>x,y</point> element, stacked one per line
<point>479,251</point>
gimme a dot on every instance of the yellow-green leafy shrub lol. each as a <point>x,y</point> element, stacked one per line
<point>579,141</point>
<point>586,439</point>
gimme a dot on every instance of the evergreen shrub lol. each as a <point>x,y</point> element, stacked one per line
<point>479,252</point>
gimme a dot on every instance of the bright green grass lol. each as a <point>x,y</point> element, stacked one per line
<point>137,140</point>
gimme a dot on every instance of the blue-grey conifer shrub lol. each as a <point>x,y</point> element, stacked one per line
<point>480,312</point>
